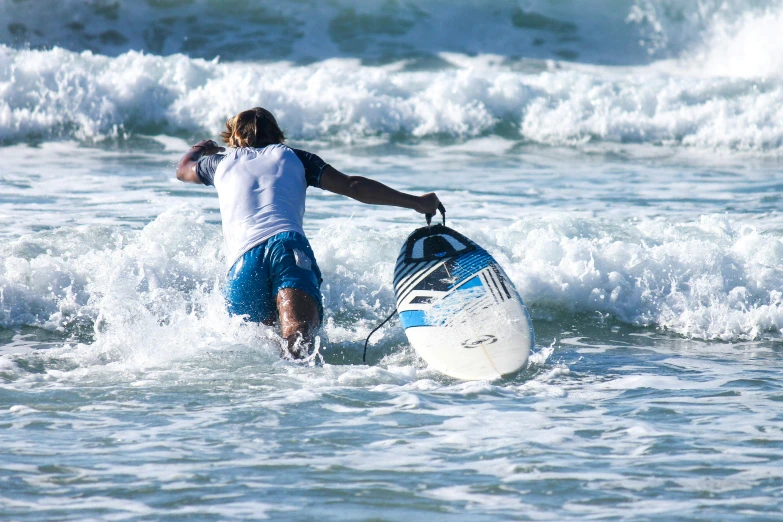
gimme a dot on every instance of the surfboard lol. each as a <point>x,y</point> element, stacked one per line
<point>460,311</point>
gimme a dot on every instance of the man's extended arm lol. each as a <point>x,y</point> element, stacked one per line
<point>373,192</point>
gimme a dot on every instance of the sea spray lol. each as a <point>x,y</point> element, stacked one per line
<point>704,279</point>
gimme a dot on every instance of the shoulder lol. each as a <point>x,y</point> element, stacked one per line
<point>207,166</point>
<point>314,166</point>
<point>308,159</point>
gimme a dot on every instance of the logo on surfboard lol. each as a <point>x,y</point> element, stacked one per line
<point>481,340</point>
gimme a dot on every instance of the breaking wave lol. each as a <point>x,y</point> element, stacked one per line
<point>704,75</point>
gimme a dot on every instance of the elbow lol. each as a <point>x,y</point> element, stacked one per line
<point>183,171</point>
<point>355,184</point>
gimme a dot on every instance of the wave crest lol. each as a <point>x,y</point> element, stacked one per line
<point>57,93</point>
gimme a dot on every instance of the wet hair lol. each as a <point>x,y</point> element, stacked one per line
<point>252,128</point>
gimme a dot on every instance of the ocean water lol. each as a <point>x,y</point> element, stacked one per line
<point>623,161</point>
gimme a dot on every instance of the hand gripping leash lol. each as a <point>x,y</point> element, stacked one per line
<point>442,211</point>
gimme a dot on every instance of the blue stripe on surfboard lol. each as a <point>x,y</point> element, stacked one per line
<point>476,281</point>
<point>469,264</point>
<point>414,318</point>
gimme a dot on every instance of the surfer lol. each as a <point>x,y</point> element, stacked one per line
<point>261,186</point>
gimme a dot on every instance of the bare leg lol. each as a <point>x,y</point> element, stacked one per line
<point>298,320</point>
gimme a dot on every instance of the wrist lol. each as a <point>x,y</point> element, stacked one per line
<point>418,203</point>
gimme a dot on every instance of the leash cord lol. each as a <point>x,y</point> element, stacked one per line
<point>364,355</point>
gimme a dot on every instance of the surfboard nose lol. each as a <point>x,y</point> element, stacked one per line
<point>436,242</point>
<point>438,245</point>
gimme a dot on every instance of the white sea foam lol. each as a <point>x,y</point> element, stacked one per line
<point>151,296</point>
<point>114,71</point>
<point>748,46</point>
<point>734,38</point>
<point>58,93</point>
<point>702,279</point>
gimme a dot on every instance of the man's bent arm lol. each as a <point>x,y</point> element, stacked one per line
<point>186,168</point>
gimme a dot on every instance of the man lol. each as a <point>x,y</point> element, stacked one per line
<point>261,186</point>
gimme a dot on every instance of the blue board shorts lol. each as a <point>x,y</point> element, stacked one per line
<point>285,260</point>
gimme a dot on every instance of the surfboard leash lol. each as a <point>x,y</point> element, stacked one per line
<point>364,355</point>
<point>428,217</point>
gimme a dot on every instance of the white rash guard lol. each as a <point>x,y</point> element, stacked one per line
<point>261,192</point>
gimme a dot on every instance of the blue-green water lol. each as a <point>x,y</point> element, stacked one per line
<point>619,159</point>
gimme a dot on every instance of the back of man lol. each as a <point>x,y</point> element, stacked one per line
<point>261,193</point>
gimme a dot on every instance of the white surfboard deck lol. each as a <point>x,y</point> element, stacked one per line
<point>460,311</point>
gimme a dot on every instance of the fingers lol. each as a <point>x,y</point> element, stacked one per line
<point>430,204</point>
<point>210,147</point>
<point>433,203</point>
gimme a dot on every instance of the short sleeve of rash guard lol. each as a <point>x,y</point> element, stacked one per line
<point>205,170</point>
<point>313,165</point>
